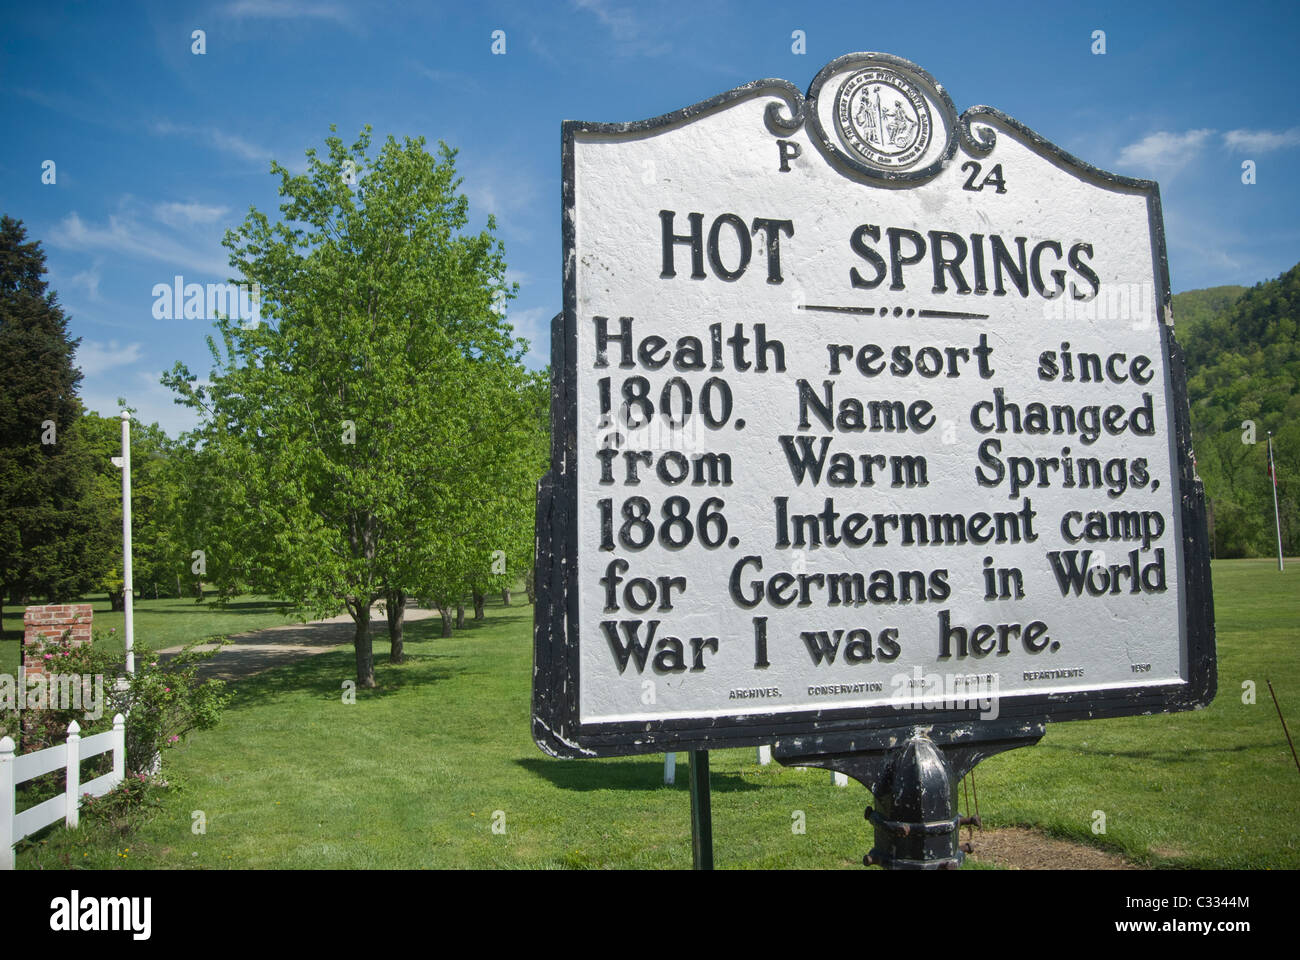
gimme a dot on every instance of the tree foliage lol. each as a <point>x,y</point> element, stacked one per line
<point>46,482</point>
<point>157,559</point>
<point>363,441</point>
<point>1243,367</point>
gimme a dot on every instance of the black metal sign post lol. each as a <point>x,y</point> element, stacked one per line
<point>701,812</point>
<point>913,774</point>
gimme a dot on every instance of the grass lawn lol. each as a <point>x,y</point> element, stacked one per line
<point>415,773</point>
<point>1211,788</point>
<point>159,623</point>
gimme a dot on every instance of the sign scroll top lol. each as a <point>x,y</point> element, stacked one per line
<point>866,414</point>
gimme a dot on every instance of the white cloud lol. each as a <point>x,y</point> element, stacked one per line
<point>1261,141</point>
<point>288,10</point>
<point>142,390</point>
<point>88,280</point>
<point>1207,250</point>
<point>1164,151</point>
<point>94,358</point>
<point>215,137</point>
<point>188,214</point>
<point>502,196</point>
<point>126,235</point>
<point>218,138</point>
<point>630,34</point>
<point>619,22</point>
<point>508,193</point>
<point>534,325</point>
<point>448,78</point>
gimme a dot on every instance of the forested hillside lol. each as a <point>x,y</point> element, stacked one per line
<point>1198,306</point>
<point>1243,368</point>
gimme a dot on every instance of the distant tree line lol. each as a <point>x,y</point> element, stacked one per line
<point>1243,365</point>
<point>60,493</point>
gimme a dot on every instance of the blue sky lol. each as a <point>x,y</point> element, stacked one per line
<point>158,150</point>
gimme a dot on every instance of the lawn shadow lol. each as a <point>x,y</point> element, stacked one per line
<point>325,674</point>
<point>1189,755</point>
<point>418,631</point>
<point>417,670</point>
<point>583,775</point>
<point>210,606</point>
<point>250,653</point>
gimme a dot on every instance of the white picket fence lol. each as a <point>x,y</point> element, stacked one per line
<point>15,770</point>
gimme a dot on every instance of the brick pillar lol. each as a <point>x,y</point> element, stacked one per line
<point>50,623</point>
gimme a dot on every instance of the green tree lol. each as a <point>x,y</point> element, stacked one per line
<point>486,522</point>
<point>156,558</point>
<point>343,440</point>
<point>503,539</point>
<point>45,469</point>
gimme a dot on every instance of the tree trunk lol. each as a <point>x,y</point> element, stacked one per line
<point>178,587</point>
<point>479,601</point>
<point>395,607</point>
<point>460,616</point>
<point>505,596</point>
<point>530,584</point>
<point>445,613</point>
<point>360,611</point>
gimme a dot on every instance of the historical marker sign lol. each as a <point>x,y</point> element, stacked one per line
<point>866,414</point>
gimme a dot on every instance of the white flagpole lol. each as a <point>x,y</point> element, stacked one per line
<point>1277,517</point>
<point>127,587</point>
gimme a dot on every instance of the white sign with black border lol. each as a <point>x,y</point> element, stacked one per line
<point>865,414</point>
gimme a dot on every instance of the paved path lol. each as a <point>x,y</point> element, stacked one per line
<point>250,653</point>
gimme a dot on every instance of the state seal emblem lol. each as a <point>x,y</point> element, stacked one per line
<point>882,117</point>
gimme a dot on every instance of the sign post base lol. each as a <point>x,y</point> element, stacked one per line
<point>913,774</point>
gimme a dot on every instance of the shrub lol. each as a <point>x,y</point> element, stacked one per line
<point>134,801</point>
<point>163,702</point>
